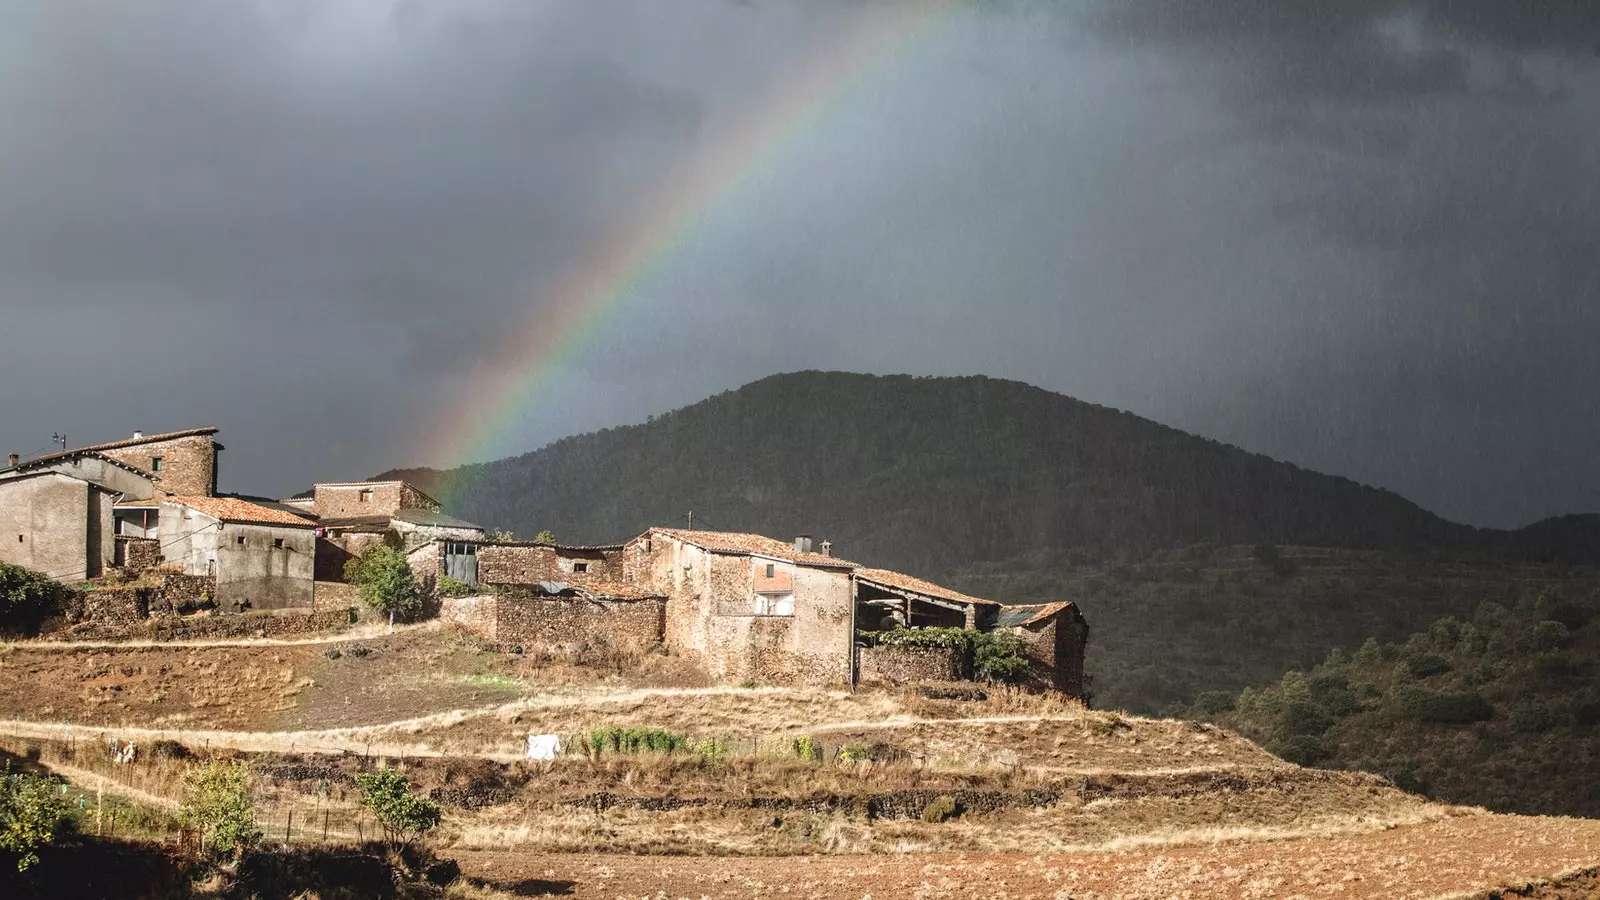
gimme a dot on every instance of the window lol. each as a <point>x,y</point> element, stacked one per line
<point>277,543</point>
<point>155,463</point>
<point>580,567</point>
<point>19,538</point>
<point>772,570</point>
<point>240,540</point>
<point>365,496</point>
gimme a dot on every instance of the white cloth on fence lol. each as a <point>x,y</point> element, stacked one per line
<point>544,746</point>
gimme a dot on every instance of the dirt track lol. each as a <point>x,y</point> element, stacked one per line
<point>1450,857</point>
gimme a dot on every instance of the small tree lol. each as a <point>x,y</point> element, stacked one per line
<point>384,581</point>
<point>545,536</point>
<point>31,816</point>
<point>216,803</point>
<point>403,816</point>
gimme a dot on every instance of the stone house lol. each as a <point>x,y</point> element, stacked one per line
<point>1054,636</point>
<point>352,516</point>
<point>513,564</point>
<point>58,513</point>
<point>750,606</point>
<point>260,557</point>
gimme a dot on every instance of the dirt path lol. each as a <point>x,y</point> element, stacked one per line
<point>1452,857</point>
<point>361,632</point>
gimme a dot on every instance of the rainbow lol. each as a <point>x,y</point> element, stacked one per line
<point>566,319</point>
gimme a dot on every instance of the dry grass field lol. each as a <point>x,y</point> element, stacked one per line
<point>1053,800</point>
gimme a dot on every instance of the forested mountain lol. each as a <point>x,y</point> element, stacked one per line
<point>931,474</point>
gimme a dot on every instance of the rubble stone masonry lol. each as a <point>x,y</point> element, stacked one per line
<point>911,665</point>
<point>188,464</point>
<point>572,622</point>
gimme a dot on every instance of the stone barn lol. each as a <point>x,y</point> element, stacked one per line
<point>260,557</point>
<point>58,514</point>
<point>561,616</point>
<point>1054,636</point>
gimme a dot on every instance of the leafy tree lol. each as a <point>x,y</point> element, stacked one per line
<point>32,815</point>
<point>384,581</point>
<point>454,587</point>
<point>216,803</point>
<point>545,536</point>
<point>25,595</point>
<point>403,816</point>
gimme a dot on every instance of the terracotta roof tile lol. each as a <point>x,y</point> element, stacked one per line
<point>742,544</point>
<point>915,585</point>
<point>232,509</point>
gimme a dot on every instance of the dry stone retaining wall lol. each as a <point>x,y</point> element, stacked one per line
<point>911,665</point>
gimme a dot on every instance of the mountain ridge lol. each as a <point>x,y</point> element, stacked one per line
<point>936,473</point>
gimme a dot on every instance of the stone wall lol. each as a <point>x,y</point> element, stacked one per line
<point>474,614</point>
<point>516,564</point>
<point>911,665</point>
<point>188,464</point>
<point>1054,649</point>
<point>411,498</point>
<point>139,554</point>
<point>249,625</point>
<point>383,498</point>
<point>570,622</point>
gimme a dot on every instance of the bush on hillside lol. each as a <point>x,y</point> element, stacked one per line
<point>384,582</point>
<point>26,597</point>
<point>217,804</point>
<point>997,657</point>
<point>32,815</point>
<point>454,587</point>
<point>403,816</point>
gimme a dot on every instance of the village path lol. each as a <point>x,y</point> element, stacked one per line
<point>363,632</point>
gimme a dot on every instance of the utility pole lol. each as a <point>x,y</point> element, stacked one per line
<point>691,520</point>
<point>59,438</point>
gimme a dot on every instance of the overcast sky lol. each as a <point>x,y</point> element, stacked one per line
<point>1362,239</point>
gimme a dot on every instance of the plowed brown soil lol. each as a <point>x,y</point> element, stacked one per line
<point>1463,855</point>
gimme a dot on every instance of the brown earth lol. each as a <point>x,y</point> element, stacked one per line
<point>1456,855</point>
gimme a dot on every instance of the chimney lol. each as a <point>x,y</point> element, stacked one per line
<point>827,548</point>
<point>12,460</point>
<point>138,434</point>
<point>802,544</point>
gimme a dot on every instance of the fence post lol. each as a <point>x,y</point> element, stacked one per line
<point>324,826</point>
<point>288,828</point>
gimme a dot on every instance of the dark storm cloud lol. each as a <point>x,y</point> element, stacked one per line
<point>1355,235</point>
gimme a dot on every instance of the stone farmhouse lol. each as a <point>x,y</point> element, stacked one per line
<point>745,605</point>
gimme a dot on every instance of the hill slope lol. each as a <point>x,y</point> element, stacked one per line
<point>1502,709</point>
<point>930,474</point>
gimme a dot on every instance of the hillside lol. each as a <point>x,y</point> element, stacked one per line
<point>1208,618</point>
<point>1499,708</point>
<point>930,474</point>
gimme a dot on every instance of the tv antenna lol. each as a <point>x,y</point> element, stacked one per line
<point>59,438</point>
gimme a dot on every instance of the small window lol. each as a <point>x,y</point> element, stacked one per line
<point>364,496</point>
<point>580,567</point>
<point>277,543</point>
<point>772,570</point>
<point>240,540</point>
<point>155,463</point>
<point>19,539</point>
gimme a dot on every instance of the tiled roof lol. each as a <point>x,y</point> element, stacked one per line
<point>741,544</point>
<point>65,455</point>
<point>904,582</point>
<point>232,509</point>
<point>125,442</point>
<point>1017,616</point>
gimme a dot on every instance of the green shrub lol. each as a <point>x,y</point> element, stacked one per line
<point>855,752</point>
<point>1424,665</point>
<point>384,581</point>
<point>941,809</point>
<point>454,587</point>
<point>642,740</point>
<point>26,596</point>
<point>1549,635</point>
<point>1531,716</point>
<point>997,657</point>
<point>403,816</point>
<point>1443,708</point>
<point>926,638</point>
<point>806,749</point>
<point>32,815</point>
<point>169,749</point>
<point>216,803</point>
